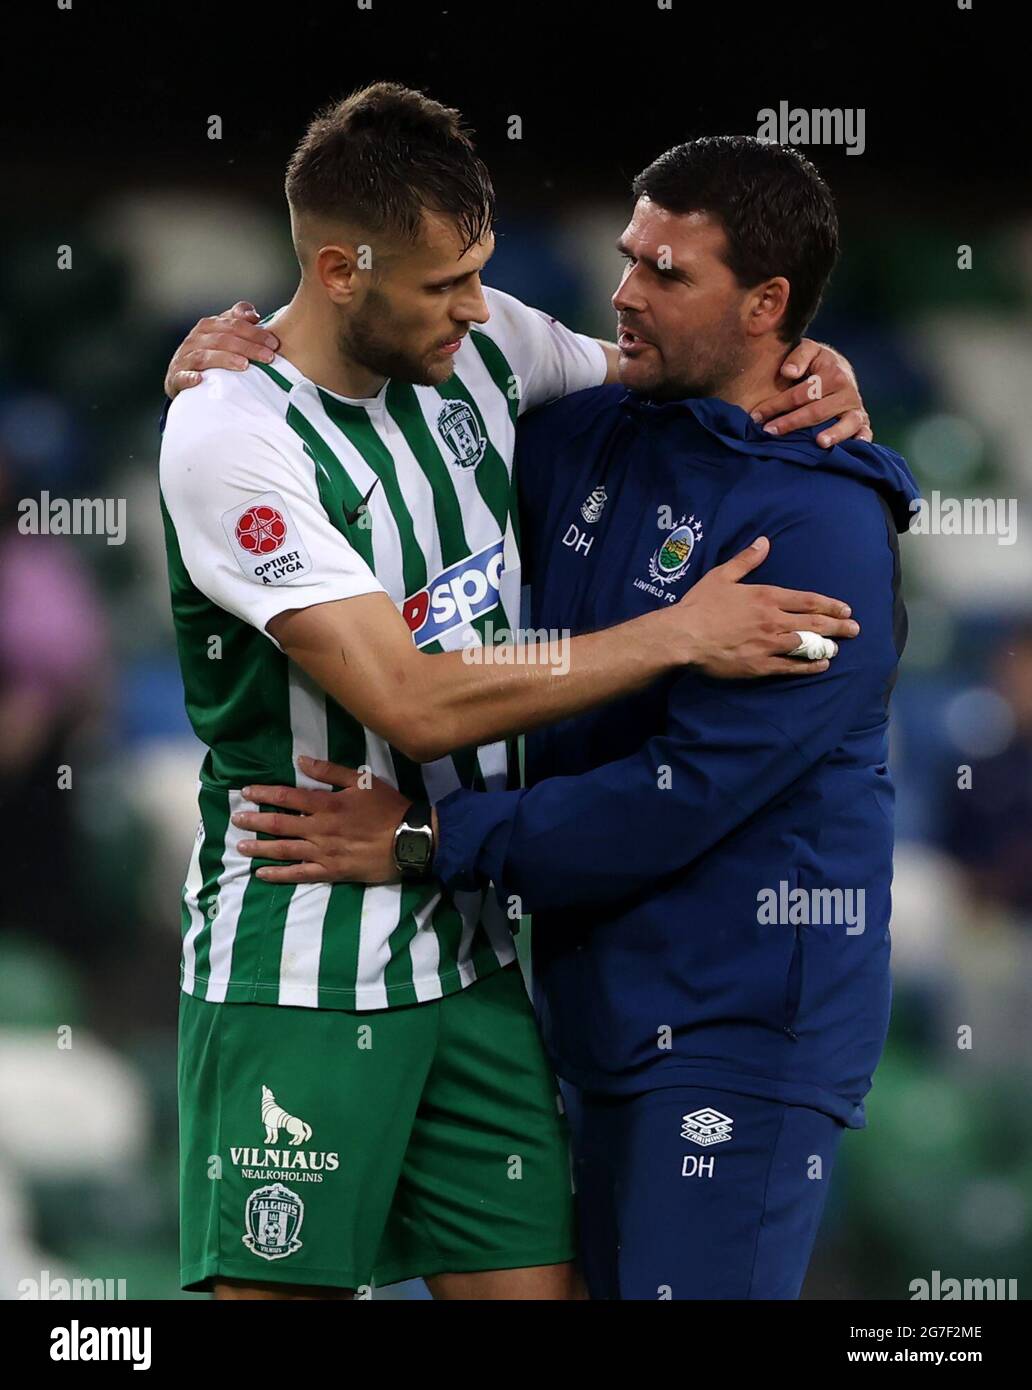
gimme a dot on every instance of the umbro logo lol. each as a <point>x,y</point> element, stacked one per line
<point>707,1126</point>
<point>594,504</point>
<point>352,517</point>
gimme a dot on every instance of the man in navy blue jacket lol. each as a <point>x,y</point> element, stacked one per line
<point>708,863</point>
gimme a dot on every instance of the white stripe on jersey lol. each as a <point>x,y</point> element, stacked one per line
<point>303,927</point>
<point>191,889</point>
<point>381,904</point>
<point>233,881</point>
<point>425,951</point>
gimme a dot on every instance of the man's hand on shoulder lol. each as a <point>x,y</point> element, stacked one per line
<point>825,387</point>
<point>229,340</point>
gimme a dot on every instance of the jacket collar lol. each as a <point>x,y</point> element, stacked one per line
<point>717,416</point>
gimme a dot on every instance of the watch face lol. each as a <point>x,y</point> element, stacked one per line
<point>412,847</point>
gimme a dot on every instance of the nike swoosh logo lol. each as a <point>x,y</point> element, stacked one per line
<point>351,518</point>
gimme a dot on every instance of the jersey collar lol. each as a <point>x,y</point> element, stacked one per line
<point>296,379</point>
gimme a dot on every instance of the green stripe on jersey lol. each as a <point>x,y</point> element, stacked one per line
<point>505,379</point>
<point>354,423</point>
<point>493,476</point>
<point>404,408</point>
<point>501,373</point>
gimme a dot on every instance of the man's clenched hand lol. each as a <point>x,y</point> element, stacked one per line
<point>738,630</point>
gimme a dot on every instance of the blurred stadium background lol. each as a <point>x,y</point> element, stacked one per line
<point>166,225</point>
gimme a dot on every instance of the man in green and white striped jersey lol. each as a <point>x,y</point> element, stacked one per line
<point>340,524</point>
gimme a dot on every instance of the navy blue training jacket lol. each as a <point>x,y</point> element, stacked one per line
<point>662,838</point>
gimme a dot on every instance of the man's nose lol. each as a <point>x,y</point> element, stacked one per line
<point>472,308</point>
<point>628,296</point>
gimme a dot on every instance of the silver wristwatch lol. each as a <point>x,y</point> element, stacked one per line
<point>414,843</point>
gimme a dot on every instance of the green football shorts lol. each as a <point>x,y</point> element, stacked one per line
<point>349,1149</point>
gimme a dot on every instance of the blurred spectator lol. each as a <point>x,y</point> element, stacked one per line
<point>53,649</point>
<point>988,826</point>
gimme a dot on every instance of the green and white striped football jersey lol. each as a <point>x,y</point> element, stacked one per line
<point>263,476</point>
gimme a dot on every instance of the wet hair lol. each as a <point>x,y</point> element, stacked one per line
<point>382,156</point>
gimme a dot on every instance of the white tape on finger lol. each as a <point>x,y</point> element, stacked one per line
<point>813,647</point>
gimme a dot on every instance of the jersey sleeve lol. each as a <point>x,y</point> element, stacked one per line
<point>548,359</point>
<point>251,530</point>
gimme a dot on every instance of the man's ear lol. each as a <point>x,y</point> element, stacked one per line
<point>768,306</point>
<point>338,270</point>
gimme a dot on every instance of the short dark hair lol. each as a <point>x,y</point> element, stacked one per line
<point>383,155</point>
<point>776,211</point>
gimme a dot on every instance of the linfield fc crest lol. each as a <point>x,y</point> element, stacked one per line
<point>673,557</point>
<point>706,1126</point>
<point>591,507</point>
<point>459,427</point>
<point>272,1221</point>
